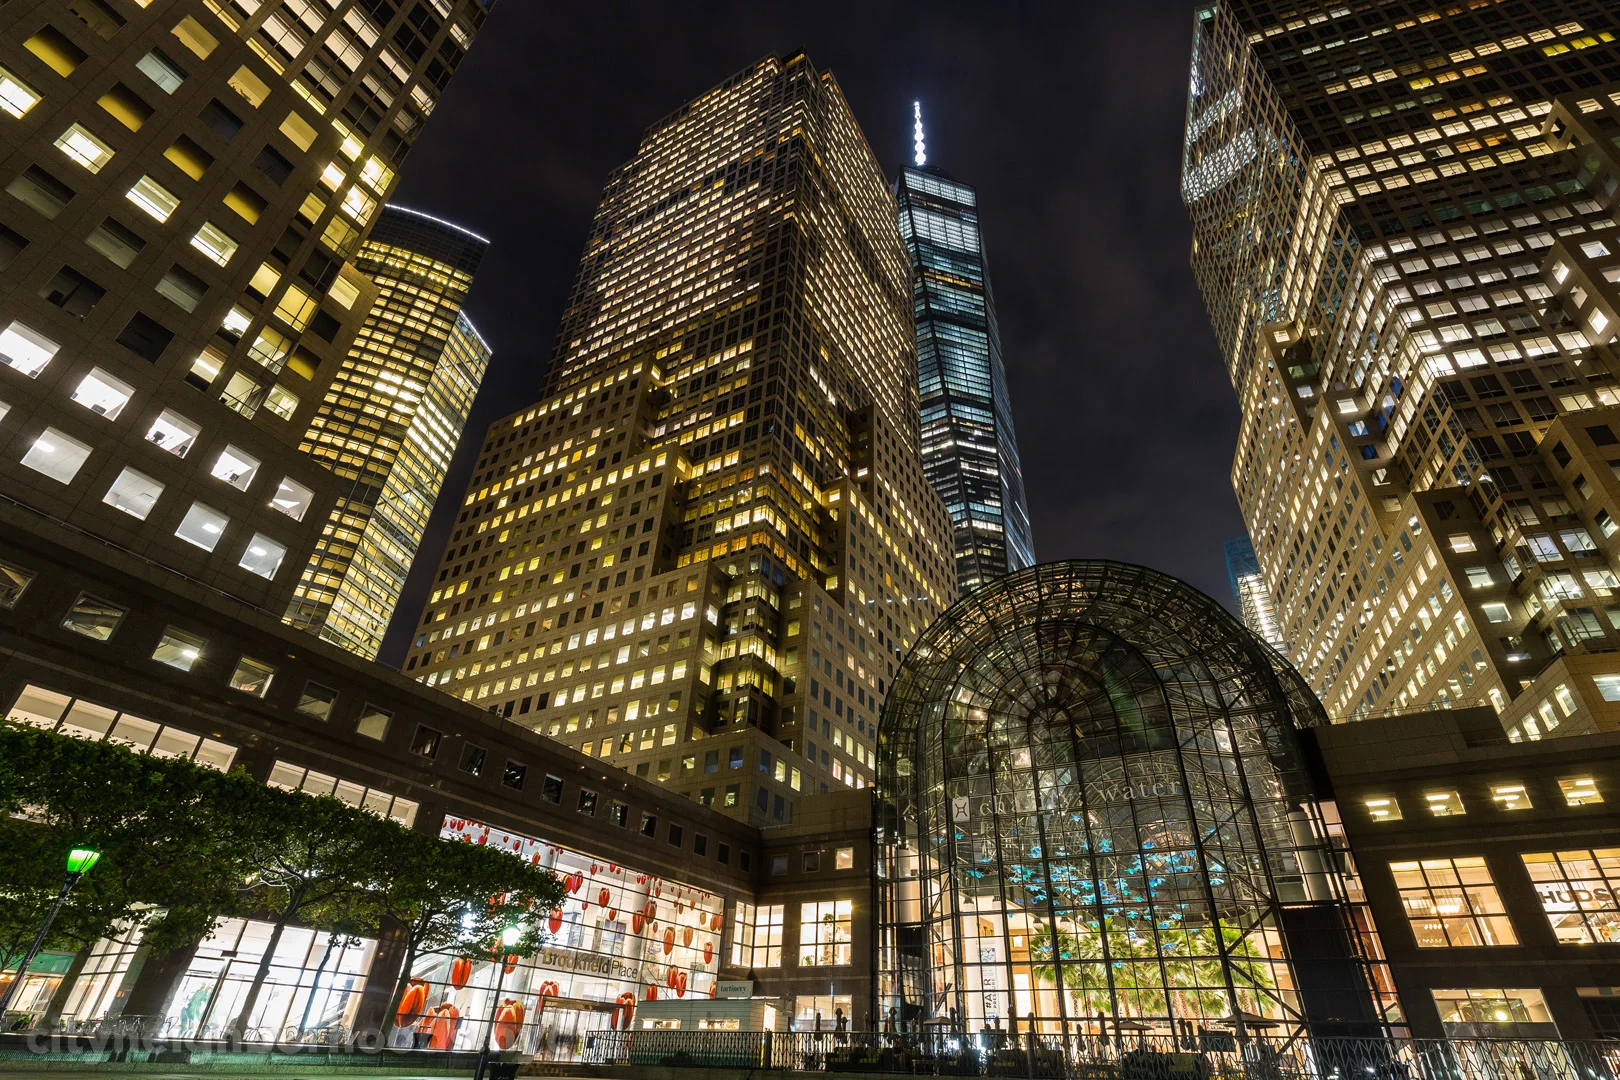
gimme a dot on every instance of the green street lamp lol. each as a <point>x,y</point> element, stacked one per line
<point>79,862</point>
<point>509,937</point>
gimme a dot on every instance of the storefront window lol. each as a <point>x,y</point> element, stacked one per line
<point>1577,891</point>
<point>1452,902</point>
<point>216,983</point>
<point>95,989</point>
<point>824,933</point>
<point>622,936</point>
<point>819,1012</point>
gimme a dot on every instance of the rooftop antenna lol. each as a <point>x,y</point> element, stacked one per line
<point>917,133</point>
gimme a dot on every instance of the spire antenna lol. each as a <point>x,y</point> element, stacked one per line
<point>917,133</point>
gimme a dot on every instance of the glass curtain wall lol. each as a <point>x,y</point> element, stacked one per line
<point>623,936</point>
<point>1093,813</point>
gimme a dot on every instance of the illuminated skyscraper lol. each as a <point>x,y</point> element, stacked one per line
<point>186,183</point>
<point>390,422</point>
<point>970,453</point>
<point>701,555</point>
<point>1250,591</point>
<point>1403,226</point>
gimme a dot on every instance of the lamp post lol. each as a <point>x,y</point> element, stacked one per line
<point>509,937</point>
<point>79,862</point>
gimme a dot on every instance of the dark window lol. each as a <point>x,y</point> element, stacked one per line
<point>427,741</point>
<point>552,789</point>
<point>272,164</point>
<point>723,853</point>
<point>515,772</point>
<point>72,292</point>
<point>1602,434</point>
<point>587,803</point>
<point>619,814</point>
<point>182,287</point>
<point>11,245</point>
<point>744,861</point>
<point>325,327</point>
<point>42,191</point>
<point>145,337</point>
<point>100,18</point>
<point>676,835</point>
<point>812,862</point>
<point>472,759</point>
<point>700,844</point>
<point>649,824</point>
<point>220,120</point>
<point>120,245</point>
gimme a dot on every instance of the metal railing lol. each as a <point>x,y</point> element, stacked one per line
<point>1206,1055</point>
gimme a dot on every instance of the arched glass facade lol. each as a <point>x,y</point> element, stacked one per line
<point>1094,810</point>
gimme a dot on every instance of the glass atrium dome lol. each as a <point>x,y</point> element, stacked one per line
<point>1094,810</point>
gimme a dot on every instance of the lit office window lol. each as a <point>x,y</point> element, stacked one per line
<point>1443,803</point>
<point>1580,892</point>
<point>77,143</point>
<point>103,394</point>
<point>154,198</point>
<point>824,933</point>
<point>1510,796</point>
<point>202,526</point>
<point>1383,808</point>
<point>1580,790</point>
<point>134,493</point>
<point>1452,902</point>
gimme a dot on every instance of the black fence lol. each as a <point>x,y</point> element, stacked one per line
<point>1211,1055</point>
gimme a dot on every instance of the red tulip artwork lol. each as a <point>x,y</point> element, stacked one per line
<point>412,1003</point>
<point>508,1022</point>
<point>460,972</point>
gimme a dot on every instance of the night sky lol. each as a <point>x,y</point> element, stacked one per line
<point>1068,119</point>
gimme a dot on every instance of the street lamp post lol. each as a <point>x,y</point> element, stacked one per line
<point>79,862</point>
<point>509,937</point>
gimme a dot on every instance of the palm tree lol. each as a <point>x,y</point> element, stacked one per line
<point>1080,956</point>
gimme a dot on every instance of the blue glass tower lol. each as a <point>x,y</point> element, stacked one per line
<point>969,451</point>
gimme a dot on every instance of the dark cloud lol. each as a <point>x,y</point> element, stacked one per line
<point>1068,119</point>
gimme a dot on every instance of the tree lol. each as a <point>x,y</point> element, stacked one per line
<point>1080,957</point>
<point>310,860</point>
<point>458,898</point>
<point>163,869</point>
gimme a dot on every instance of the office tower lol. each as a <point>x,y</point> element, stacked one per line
<point>970,453</point>
<point>390,422</point>
<point>1250,591</point>
<point>701,554</point>
<point>1387,204</point>
<point>186,183</point>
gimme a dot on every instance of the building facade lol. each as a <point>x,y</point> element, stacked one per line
<point>1250,591</point>
<point>1389,209</point>
<point>667,897</point>
<point>700,556</point>
<point>1490,868</point>
<point>187,184</point>
<point>1095,817</point>
<point>969,449</point>
<point>389,424</point>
